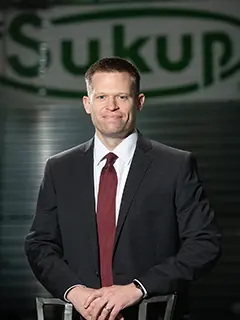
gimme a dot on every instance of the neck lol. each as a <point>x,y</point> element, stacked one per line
<point>112,142</point>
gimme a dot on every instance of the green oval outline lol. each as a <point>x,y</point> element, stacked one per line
<point>79,94</point>
<point>145,12</point>
<point>133,13</point>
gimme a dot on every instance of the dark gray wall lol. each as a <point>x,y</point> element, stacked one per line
<point>210,131</point>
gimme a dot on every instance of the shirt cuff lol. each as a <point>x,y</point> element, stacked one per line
<point>66,292</point>
<point>144,290</point>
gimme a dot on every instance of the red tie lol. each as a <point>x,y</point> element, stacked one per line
<point>106,218</point>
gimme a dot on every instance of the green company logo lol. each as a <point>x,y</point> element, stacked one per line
<point>213,67</point>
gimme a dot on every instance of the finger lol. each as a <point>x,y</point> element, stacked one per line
<point>99,309</point>
<point>114,313</point>
<point>94,295</point>
<point>92,306</point>
<point>86,315</point>
<point>119,317</point>
<point>105,313</point>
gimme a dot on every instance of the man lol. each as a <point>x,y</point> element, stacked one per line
<point>120,217</point>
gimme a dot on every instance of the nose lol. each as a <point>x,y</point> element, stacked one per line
<point>112,104</point>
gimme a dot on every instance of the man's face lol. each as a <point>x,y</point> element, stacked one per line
<point>113,104</point>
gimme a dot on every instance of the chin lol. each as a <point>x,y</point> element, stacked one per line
<point>113,133</point>
<point>116,132</point>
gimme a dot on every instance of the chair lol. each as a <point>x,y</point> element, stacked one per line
<point>41,302</point>
<point>170,306</point>
<point>142,314</point>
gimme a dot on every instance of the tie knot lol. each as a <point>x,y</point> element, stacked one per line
<point>111,158</point>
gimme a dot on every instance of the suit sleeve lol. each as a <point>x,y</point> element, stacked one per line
<point>199,237</point>
<point>43,245</point>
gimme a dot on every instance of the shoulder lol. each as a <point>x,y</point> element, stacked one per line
<point>169,157</point>
<point>69,155</point>
<point>163,150</point>
<point>161,153</point>
<point>173,162</point>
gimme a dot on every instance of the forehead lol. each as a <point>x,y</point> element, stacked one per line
<point>112,81</point>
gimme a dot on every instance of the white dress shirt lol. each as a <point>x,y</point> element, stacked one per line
<point>125,151</point>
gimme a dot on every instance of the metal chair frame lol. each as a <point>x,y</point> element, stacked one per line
<point>41,302</point>
<point>142,314</point>
<point>170,307</point>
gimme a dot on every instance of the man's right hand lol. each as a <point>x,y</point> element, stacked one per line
<point>77,296</point>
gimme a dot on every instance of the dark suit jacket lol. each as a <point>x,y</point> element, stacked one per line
<point>166,234</point>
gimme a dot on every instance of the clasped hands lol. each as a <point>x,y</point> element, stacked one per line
<point>105,303</point>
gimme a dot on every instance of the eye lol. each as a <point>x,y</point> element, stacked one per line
<point>123,97</point>
<point>101,97</point>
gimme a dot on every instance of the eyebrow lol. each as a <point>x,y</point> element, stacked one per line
<point>104,93</point>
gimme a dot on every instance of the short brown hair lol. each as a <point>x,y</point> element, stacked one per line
<point>113,64</point>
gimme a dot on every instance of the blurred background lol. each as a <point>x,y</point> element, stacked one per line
<point>188,54</point>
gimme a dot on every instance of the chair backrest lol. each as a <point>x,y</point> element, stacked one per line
<point>170,299</point>
<point>41,302</point>
<point>142,315</point>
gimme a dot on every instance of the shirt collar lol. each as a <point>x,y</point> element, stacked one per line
<point>124,150</point>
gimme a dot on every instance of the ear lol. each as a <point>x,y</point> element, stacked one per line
<point>86,104</point>
<point>140,101</point>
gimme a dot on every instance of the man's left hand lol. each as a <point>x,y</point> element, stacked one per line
<point>107,302</point>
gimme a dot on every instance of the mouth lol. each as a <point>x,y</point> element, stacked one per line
<point>112,117</point>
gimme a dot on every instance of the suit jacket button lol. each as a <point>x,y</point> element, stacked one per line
<point>97,274</point>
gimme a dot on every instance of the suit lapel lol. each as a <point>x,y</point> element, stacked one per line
<point>140,163</point>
